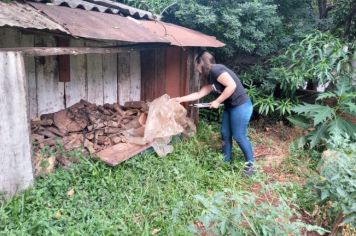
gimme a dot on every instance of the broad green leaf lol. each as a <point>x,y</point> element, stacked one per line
<point>299,142</point>
<point>342,87</point>
<point>300,121</point>
<point>342,126</point>
<point>317,112</point>
<point>324,194</point>
<point>351,107</point>
<point>315,228</point>
<point>315,136</point>
<point>326,95</point>
<point>223,227</point>
<point>322,114</point>
<point>341,192</point>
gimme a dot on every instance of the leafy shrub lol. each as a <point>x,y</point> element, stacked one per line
<point>251,27</point>
<point>262,95</point>
<point>268,105</point>
<point>228,213</point>
<point>336,185</point>
<point>323,120</point>
<point>344,18</point>
<point>319,58</point>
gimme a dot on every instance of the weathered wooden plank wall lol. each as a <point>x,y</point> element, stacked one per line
<point>15,152</point>
<point>50,92</point>
<point>192,81</point>
<point>110,78</point>
<point>173,72</point>
<point>76,89</point>
<point>124,82</point>
<point>169,70</point>
<point>97,78</point>
<point>28,41</point>
<point>153,74</point>
<point>148,75</point>
<point>135,76</point>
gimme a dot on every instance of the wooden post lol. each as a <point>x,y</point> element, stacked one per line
<point>15,152</point>
<point>194,82</point>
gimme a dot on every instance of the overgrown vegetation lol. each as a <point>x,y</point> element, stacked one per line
<point>283,50</point>
<point>243,213</point>
<point>319,59</point>
<point>145,195</point>
<point>328,120</point>
<point>335,186</point>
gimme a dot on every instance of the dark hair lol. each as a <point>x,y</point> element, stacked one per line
<point>206,57</point>
<point>200,54</point>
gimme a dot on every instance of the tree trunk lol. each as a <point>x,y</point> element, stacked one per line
<point>349,19</point>
<point>323,12</point>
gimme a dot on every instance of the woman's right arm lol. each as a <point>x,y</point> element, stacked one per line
<point>205,90</point>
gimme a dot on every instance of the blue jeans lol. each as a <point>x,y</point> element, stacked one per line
<point>234,125</point>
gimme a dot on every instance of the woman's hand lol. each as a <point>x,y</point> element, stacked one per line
<point>205,90</point>
<point>177,99</point>
<point>215,104</point>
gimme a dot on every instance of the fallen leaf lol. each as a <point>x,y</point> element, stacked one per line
<point>57,215</point>
<point>70,192</point>
<point>44,165</point>
<point>155,231</point>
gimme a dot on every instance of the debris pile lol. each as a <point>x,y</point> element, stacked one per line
<point>111,132</point>
<point>84,124</point>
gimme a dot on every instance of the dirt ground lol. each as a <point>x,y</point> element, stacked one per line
<point>270,150</point>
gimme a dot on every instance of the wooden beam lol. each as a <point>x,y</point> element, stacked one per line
<point>54,51</point>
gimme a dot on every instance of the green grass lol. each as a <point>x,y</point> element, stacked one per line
<point>145,194</point>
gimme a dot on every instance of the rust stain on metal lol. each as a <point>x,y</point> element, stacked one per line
<point>181,36</point>
<point>24,16</point>
<point>96,25</point>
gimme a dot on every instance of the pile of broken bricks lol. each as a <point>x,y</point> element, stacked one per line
<point>86,125</point>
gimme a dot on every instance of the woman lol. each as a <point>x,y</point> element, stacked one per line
<point>237,105</point>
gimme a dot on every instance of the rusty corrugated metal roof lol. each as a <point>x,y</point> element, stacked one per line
<point>24,16</point>
<point>126,10</point>
<point>181,36</point>
<point>96,25</point>
<point>104,6</point>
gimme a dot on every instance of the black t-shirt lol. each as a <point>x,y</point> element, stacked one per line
<point>238,97</point>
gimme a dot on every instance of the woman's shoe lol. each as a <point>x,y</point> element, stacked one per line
<point>249,170</point>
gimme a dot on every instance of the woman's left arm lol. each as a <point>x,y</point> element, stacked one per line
<point>230,86</point>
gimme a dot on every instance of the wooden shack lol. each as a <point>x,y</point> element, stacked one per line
<point>96,50</point>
